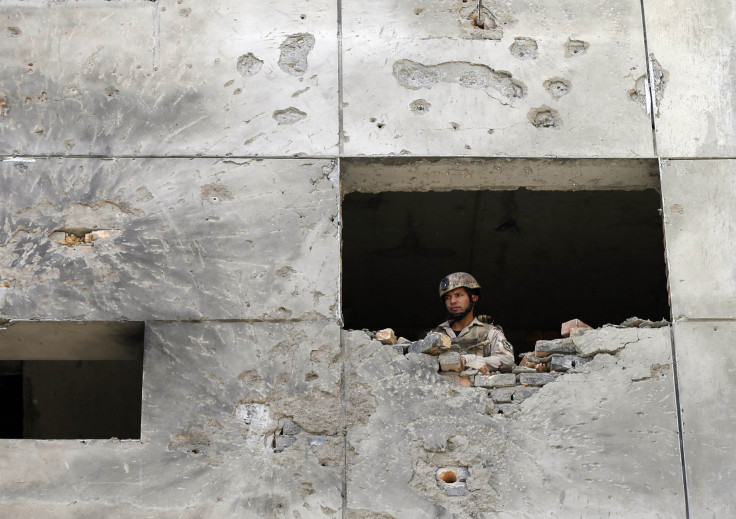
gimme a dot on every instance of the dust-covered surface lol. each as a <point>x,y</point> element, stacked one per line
<point>177,78</point>
<point>483,69</point>
<point>598,441</point>
<point>199,238</point>
<point>215,398</point>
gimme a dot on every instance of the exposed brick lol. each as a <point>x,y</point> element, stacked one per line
<point>537,379</point>
<point>498,380</point>
<point>574,323</point>
<point>564,346</point>
<point>451,361</point>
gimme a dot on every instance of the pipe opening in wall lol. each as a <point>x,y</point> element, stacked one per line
<point>448,476</point>
<point>549,240</point>
<point>71,380</point>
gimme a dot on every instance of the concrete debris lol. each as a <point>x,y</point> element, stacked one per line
<point>565,346</point>
<point>493,381</point>
<point>386,336</point>
<point>568,326</point>
<point>432,344</point>
<point>451,361</point>
<point>403,340</point>
<point>635,322</point>
<point>537,379</point>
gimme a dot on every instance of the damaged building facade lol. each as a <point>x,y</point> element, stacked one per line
<point>207,208</point>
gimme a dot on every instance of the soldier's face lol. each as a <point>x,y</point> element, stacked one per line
<point>457,300</point>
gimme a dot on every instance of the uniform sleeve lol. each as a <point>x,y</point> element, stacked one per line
<point>500,349</point>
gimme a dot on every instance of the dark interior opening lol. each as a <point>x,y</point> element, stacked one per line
<point>542,258</point>
<point>75,380</point>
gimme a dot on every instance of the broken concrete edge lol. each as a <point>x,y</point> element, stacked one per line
<point>558,356</point>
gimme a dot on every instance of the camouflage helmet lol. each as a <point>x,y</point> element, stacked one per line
<point>458,280</point>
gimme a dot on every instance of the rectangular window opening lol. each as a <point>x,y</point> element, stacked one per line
<point>71,380</point>
<point>549,240</point>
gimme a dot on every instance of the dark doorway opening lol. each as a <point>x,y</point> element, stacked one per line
<point>68,380</point>
<point>542,258</point>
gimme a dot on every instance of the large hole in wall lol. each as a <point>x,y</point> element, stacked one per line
<point>71,380</point>
<point>579,239</point>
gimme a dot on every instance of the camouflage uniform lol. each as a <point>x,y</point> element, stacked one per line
<point>481,339</point>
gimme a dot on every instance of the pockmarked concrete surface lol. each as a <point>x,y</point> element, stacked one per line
<point>706,365</point>
<point>169,78</point>
<point>526,79</point>
<point>599,441</point>
<point>700,224</point>
<point>219,399</point>
<point>692,45</point>
<point>185,239</point>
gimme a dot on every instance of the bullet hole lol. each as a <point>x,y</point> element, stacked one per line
<point>78,236</point>
<point>303,16</point>
<point>311,376</point>
<point>185,12</point>
<point>380,125</point>
<point>215,192</point>
<point>72,91</point>
<point>69,144</point>
<point>289,115</point>
<point>248,65</point>
<point>639,92</point>
<point>14,31</point>
<point>448,476</point>
<point>4,108</point>
<point>21,167</point>
<point>38,130</point>
<point>557,87</point>
<point>196,451</point>
<point>372,119</point>
<point>420,106</point>
<point>575,48</point>
<point>111,92</point>
<point>455,126</point>
<point>545,117</point>
<point>237,91</point>
<point>467,146</point>
<point>294,52</point>
<point>414,75</point>
<point>490,131</point>
<point>419,10</point>
<point>228,83</point>
<point>524,48</point>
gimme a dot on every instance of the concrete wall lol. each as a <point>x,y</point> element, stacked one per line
<point>207,139</point>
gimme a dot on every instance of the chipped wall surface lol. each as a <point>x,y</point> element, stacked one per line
<point>214,396</point>
<point>177,78</point>
<point>202,238</point>
<point>601,441</point>
<point>539,79</point>
<point>696,110</point>
<point>121,199</point>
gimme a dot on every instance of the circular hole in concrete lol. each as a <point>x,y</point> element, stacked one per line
<point>448,476</point>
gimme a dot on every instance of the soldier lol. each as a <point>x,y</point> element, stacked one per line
<point>480,343</point>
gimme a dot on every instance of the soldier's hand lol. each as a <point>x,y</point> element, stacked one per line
<point>493,363</point>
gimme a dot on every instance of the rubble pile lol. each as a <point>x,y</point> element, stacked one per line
<point>506,391</point>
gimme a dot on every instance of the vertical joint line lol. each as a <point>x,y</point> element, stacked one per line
<point>344,418</point>
<point>649,85</point>
<point>340,126</point>
<point>679,421</point>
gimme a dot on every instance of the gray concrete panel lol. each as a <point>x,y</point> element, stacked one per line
<point>705,366</point>
<point>214,396</point>
<point>169,78</point>
<point>184,239</point>
<point>598,442</point>
<point>695,68</point>
<point>540,79</point>
<point>700,228</point>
